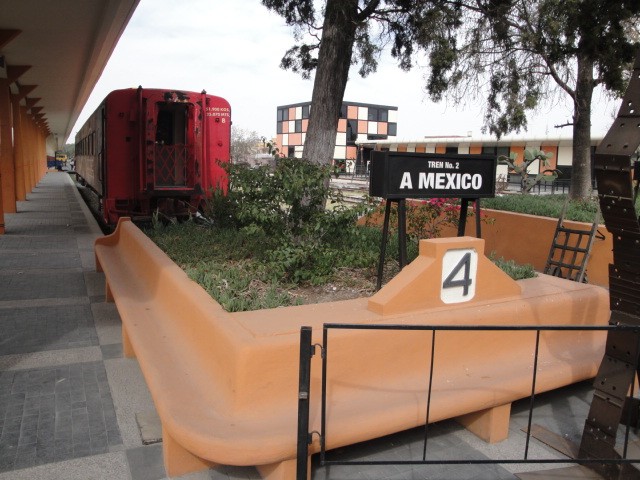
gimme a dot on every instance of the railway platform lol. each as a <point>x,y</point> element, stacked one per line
<point>72,407</point>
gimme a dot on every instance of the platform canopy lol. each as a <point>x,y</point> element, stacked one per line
<point>53,53</point>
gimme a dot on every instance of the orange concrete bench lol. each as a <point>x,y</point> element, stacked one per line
<point>225,385</point>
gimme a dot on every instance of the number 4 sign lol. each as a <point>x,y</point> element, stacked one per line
<point>459,269</point>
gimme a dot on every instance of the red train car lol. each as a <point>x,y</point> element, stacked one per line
<point>144,150</point>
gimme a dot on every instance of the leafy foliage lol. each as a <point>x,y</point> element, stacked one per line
<point>257,250</point>
<point>514,270</point>
<point>512,54</point>
<point>425,218</point>
<point>284,208</point>
<point>545,206</point>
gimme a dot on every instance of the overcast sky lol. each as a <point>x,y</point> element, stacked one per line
<point>232,48</point>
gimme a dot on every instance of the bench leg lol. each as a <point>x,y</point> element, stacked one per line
<point>491,425</point>
<point>282,471</point>
<point>177,460</point>
<point>127,348</point>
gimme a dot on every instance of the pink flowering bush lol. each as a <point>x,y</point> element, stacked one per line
<point>425,218</point>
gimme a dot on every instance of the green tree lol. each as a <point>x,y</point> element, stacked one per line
<point>513,53</point>
<point>354,32</point>
<point>244,144</point>
<point>525,51</point>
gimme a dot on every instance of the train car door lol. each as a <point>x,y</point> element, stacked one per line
<point>172,152</point>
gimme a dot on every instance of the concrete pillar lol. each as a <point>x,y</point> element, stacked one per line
<point>18,148</point>
<point>32,143</point>
<point>7,169</point>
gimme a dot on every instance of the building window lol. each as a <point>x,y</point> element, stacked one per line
<point>343,111</point>
<point>383,115</point>
<point>305,111</point>
<point>373,114</point>
<point>298,126</point>
<point>352,131</point>
<point>283,114</point>
<point>392,129</point>
<point>488,150</point>
<point>279,127</point>
<point>503,151</point>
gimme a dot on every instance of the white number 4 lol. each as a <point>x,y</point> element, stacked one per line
<point>459,268</point>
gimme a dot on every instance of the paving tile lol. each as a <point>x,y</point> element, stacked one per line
<point>39,260</point>
<point>41,285</point>
<point>42,425</point>
<point>34,329</point>
<point>111,351</point>
<point>146,462</point>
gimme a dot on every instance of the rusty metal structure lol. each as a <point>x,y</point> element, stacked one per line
<point>613,402</point>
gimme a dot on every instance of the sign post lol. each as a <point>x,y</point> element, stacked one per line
<point>396,176</point>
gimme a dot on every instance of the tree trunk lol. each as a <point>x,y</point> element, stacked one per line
<point>581,161</point>
<point>334,60</point>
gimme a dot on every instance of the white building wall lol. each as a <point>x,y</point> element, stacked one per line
<point>564,155</point>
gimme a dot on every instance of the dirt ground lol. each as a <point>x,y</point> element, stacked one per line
<point>347,284</point>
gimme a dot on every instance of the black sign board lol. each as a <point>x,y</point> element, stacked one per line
<point>397,175</point>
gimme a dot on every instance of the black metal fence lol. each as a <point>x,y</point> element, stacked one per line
<point>308,350</point>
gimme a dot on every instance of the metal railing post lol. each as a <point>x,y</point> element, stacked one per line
<point>304,384</point>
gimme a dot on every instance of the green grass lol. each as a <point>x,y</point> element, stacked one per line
<point>513,269</point>
<point>545,206</point>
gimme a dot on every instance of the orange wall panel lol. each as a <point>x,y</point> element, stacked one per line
<point>382,128</point>
<point>305,124</point>
<point>295,139</point>
<point>352,153</point>
<point>363,126</point>
<point>553,161</point>
<point>352,112</point>
<point>519,151</point>
<point>285,127</point>
<point>292,113</point>
<point>342,124</point>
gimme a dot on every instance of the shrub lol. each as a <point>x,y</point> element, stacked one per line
<point>513,269</point>
<point>545,206</point>
<point>302,225</point>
